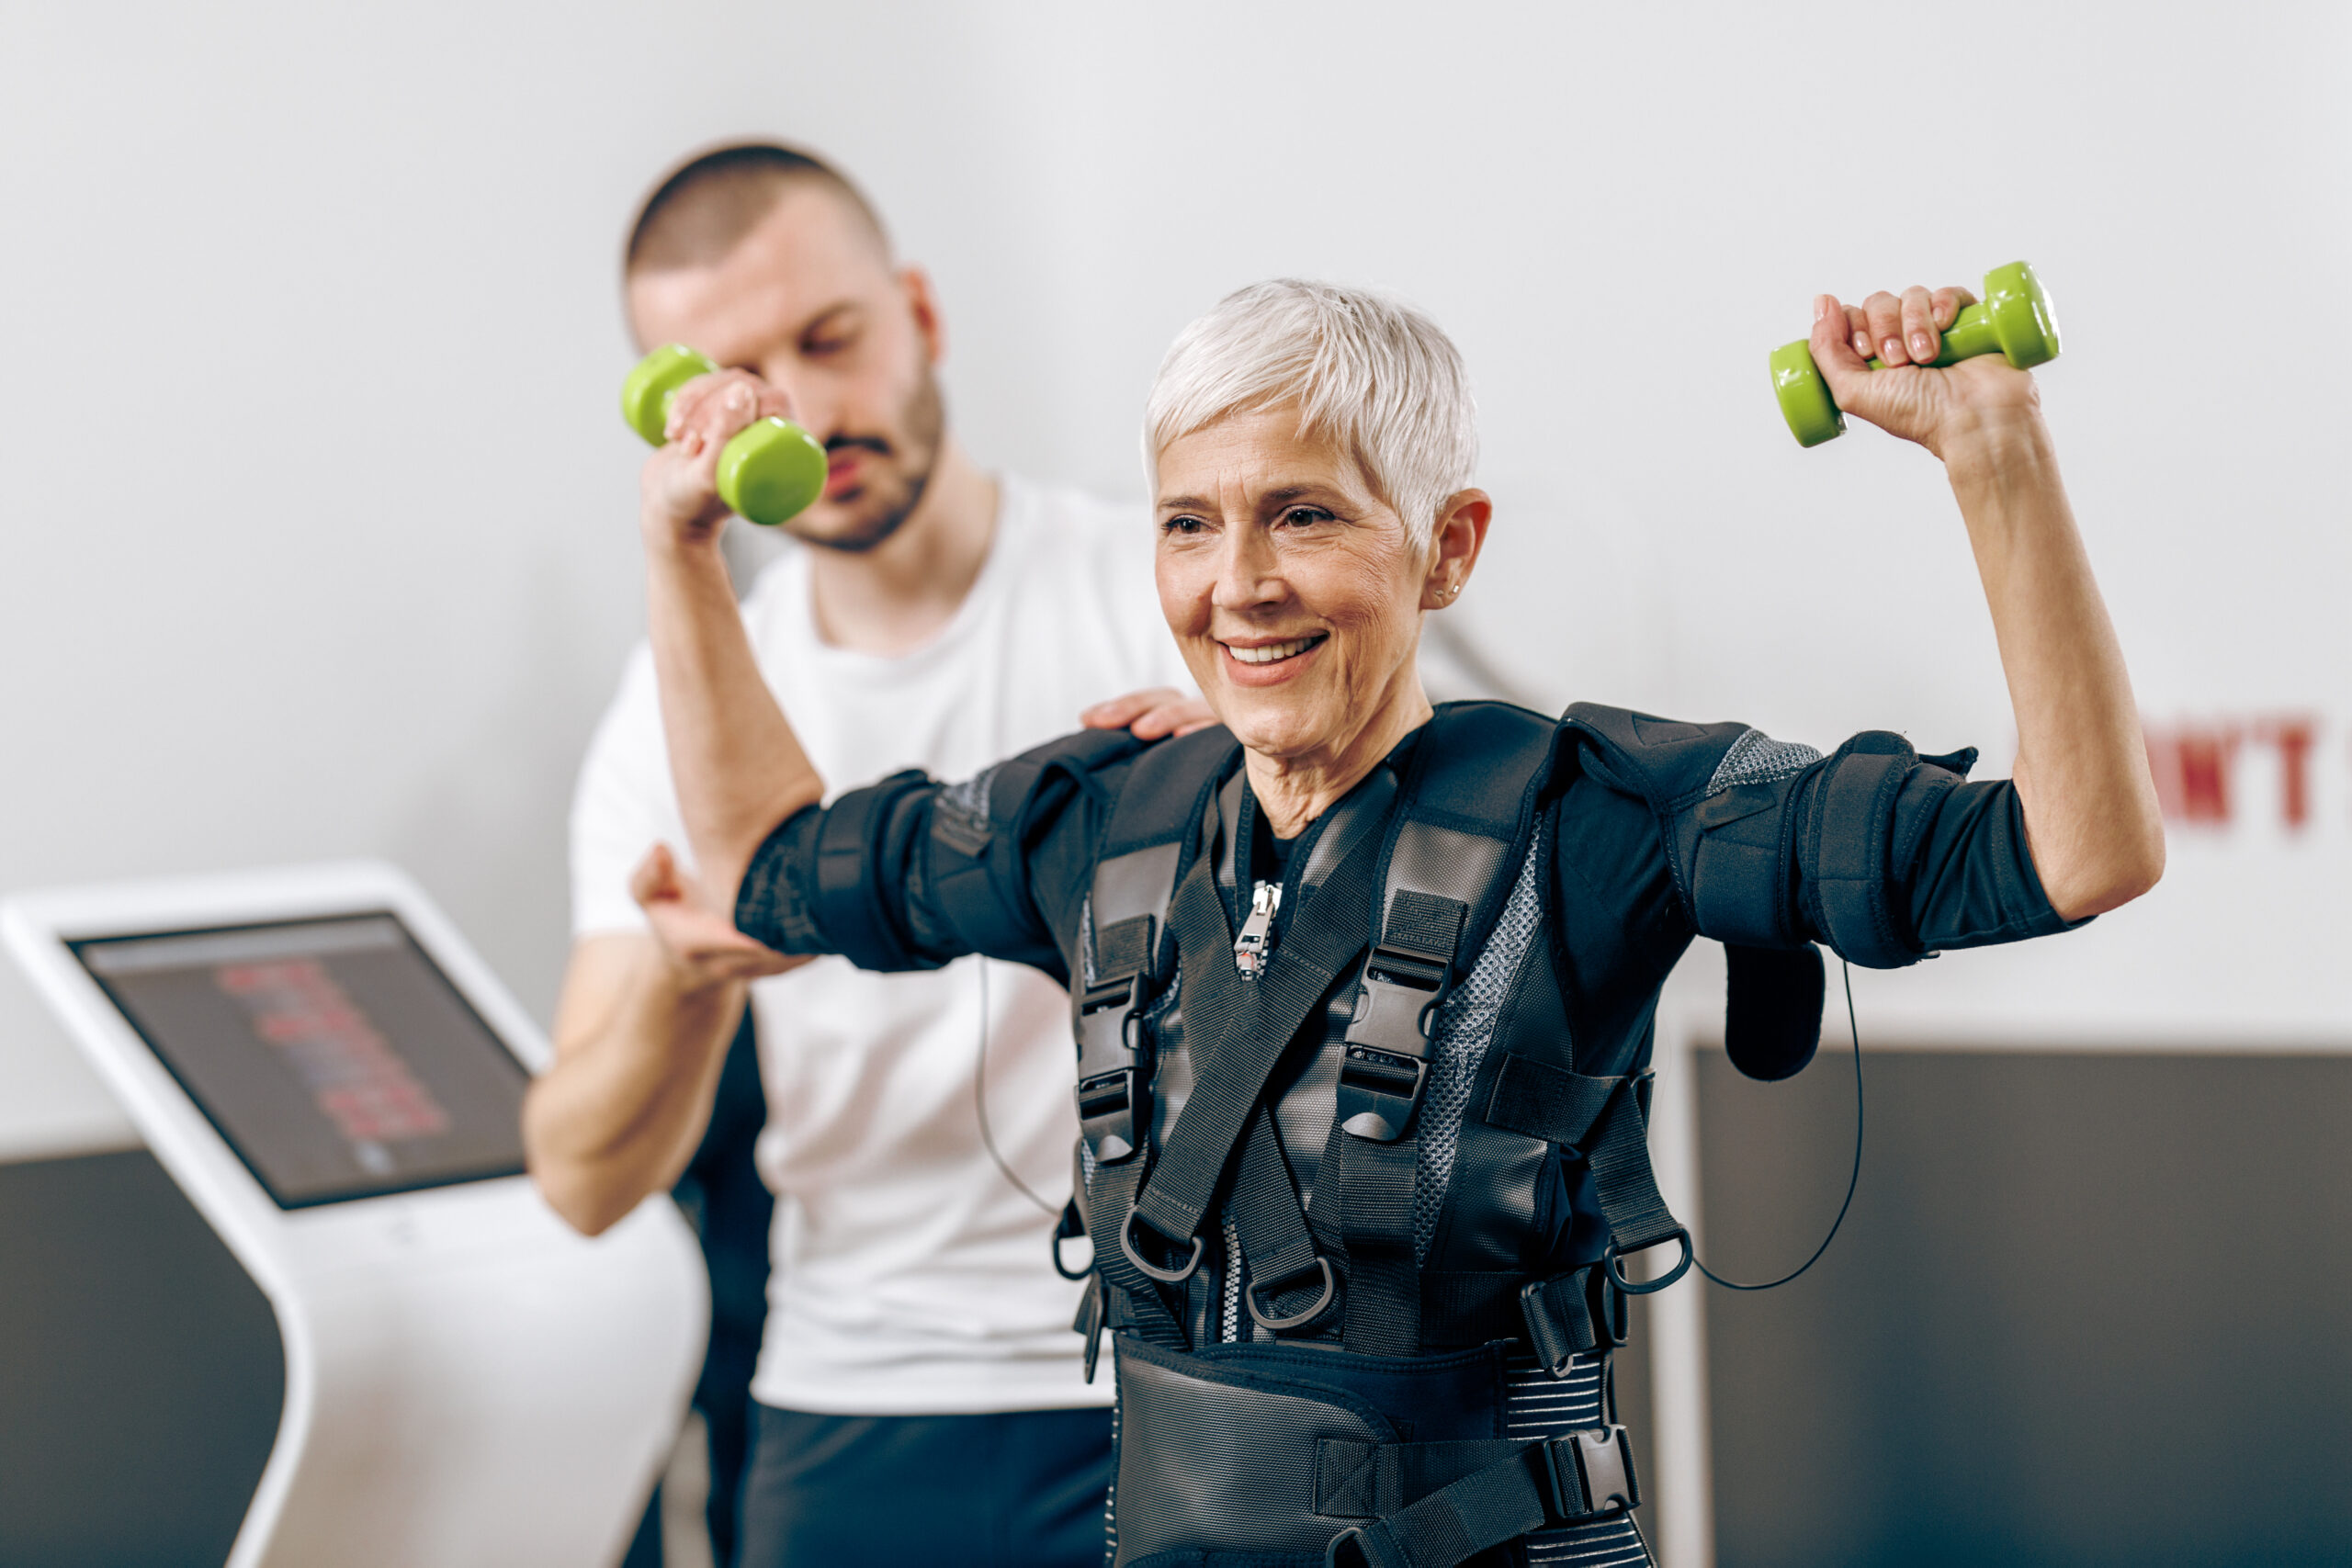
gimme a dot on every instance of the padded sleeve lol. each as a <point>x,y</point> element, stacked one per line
<point>1899,858</point>
<point>1883,854</point>
<point>908,874</point>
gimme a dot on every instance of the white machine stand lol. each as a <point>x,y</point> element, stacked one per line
<point>332,1076</point>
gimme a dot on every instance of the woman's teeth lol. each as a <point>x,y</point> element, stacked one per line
<point>1273,652</point>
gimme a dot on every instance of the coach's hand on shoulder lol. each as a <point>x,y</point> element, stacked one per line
<point>701,943</point>
<point>1161,711</point>
<point>1942,409</point>
<point>679,490</point>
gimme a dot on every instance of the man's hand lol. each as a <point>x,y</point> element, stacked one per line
<point>1162,710</point>
<point>1936,408</point>
<point>679,491</point>
<point>702,945</point>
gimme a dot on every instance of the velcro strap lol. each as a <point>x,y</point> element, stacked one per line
<point>1853,811</point>
<point>1123,949</point>
<point>1622,1178</point>
<point>1423,927</point>
<point>1539,1100</point>
<point>1519,1487</point>
<point>1496,1503</point>
<point>1366,1481</point>
<point>850,844</point>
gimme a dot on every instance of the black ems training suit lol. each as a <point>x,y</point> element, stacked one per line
<point>1364,1120</point>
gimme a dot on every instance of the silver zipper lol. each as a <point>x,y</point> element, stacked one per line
<point>1257,938</point>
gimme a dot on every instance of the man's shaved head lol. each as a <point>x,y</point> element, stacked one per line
<point>704,210</point>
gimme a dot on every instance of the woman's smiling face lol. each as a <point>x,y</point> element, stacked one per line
<point>1294,590</point>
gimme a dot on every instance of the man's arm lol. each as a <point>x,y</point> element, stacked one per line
<point>2089,804</point>
<point>642,1032</point>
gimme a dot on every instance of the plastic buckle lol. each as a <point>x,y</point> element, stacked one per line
<point>1166,1276</point>
<point>1106,1114</point>
<point>1297,1320</point>
<point>1590,1474</point>
<point>1110,1090</point>
<point>1609,1263</point>
<point>1385,1066</point>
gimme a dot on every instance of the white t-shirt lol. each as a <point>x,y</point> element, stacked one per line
<point>910,1277</point>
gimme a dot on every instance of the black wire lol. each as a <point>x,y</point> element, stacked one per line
<point>980,1102</point>
<point>1851,1181</point>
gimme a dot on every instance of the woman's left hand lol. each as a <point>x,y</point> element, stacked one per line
<point>1910,398</point>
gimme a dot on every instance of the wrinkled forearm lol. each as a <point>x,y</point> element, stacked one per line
<point>2082,776</point>
<point>737,764</point>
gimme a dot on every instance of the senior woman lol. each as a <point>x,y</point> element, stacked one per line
<point>1363,990</point>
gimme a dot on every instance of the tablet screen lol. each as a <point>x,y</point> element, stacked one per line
<point>332,1054</point>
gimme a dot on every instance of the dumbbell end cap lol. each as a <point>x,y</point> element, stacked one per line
<point>771,472</point>
<point>645,393</point>
<point>1804,398</point>
<point>2023,318</point>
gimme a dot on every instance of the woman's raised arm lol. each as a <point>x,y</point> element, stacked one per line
<point>2082,774</point>
<point>739,770</point>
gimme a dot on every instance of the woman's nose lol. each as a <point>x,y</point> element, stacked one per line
<point>1247,575</point>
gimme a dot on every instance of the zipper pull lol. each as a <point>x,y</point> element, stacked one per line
<point>1257,938</point>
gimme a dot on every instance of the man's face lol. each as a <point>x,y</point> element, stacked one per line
<point>807,300</point>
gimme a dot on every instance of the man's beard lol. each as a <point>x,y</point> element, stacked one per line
<point>909,461</point>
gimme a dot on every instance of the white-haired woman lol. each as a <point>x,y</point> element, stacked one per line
<point>1361,989</point>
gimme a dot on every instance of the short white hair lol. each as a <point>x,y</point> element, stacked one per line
<point>1370,374</point>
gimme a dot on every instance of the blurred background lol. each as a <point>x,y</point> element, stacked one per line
<point>319,543</point>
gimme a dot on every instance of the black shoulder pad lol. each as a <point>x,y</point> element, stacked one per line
<point>1161,800</point>
<point>970,811</point>
<point>1670,762</point>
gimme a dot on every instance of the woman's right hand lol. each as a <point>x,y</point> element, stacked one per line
<point>678,491</point>
<point>702,945</point>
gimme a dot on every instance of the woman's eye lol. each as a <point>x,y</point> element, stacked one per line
<point>1304,516</point>
<point>1183,523</point>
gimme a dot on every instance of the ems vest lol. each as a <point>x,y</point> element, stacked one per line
<point>1360,1198</point>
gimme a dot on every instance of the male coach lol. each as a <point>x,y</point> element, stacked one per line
<point>917,1391</point>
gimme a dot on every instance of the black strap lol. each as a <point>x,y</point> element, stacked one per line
<point>1239,1029</point>
<point>1619,1155</point>
<point>1473,1495</point>
<point>1290,1288</point>
<point>1539,1100</point>
<point>1136,1299</point>
<point>1470,801</point>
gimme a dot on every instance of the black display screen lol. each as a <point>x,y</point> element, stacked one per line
<point>332,1054</point>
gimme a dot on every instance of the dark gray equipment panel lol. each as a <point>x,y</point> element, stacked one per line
<point>2090,1309</point>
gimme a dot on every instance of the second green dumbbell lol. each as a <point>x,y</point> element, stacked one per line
<point>2014,319</point>
<point>769,472</point>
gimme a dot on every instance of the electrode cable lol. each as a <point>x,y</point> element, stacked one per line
<point>1852,1180</point>
<point>980,1104</point>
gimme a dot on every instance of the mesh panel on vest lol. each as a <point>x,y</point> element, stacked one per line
<point>1465,1027</point>
<point>1756,757</point>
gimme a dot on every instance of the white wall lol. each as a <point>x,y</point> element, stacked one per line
<point>318,513</point>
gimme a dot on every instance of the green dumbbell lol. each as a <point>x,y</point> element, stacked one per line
<point>2014,319</point>
<point>768,472</point>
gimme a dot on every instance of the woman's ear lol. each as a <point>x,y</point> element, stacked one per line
<point>1460,533</point>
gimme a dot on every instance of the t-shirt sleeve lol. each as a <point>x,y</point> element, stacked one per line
<point>911,873</point>
<point>622,803</point>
